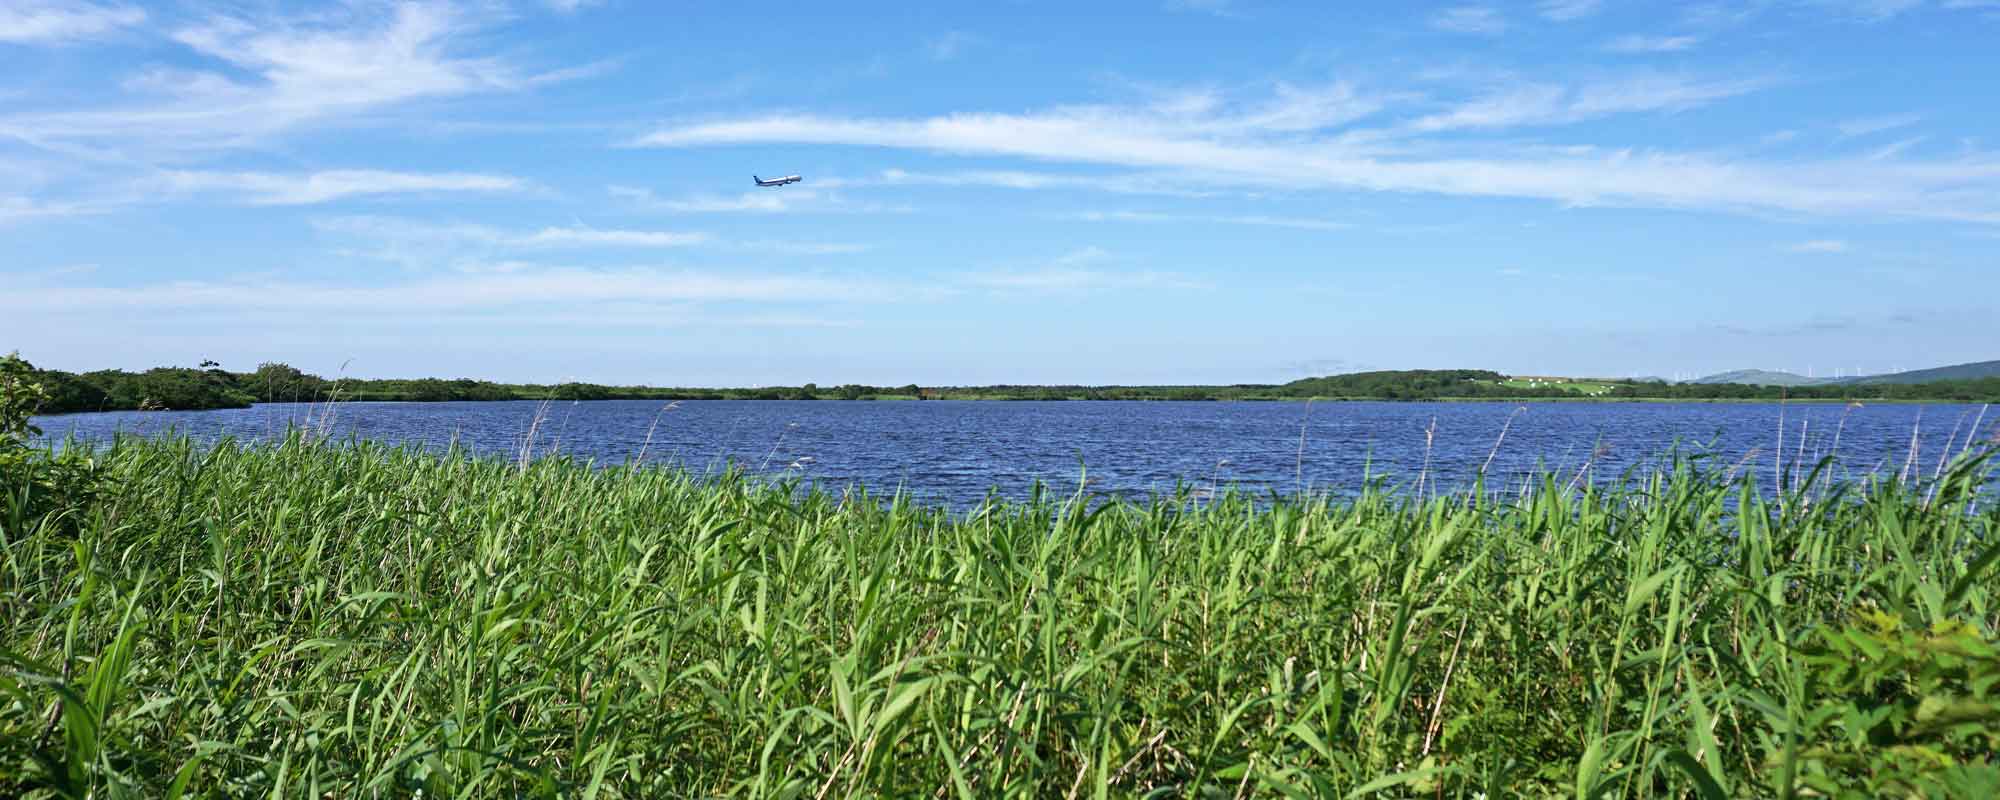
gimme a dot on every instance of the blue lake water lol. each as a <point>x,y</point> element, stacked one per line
<point>954,452</point>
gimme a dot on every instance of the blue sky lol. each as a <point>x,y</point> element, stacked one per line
<point>1190,191</point>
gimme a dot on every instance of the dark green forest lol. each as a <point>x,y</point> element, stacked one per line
<point>211,386</point>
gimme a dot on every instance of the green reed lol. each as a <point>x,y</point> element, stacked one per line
<point>302,620</point>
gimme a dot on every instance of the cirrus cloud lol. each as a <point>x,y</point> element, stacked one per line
<point>282,189</point>
<point>1214,149</point>
<point>57,22</point>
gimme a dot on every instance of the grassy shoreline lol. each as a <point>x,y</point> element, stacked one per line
<point>1496,400</point>
<point>361,621</point>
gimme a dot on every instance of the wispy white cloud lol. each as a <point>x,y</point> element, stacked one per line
<point>1077,273</point>
<point>1634,43</point>
<point>1073,280</point>
<point>1868,10</point>
<point>1220,8</point>
<point>785,200</point>
<point>1566,10</point>
<point>948,46</point>
<point>804,248</point>
<point>1214,150</point>
<point>1893,149</point>
<point>277,189</point>
<point>1008,179</point>
<point>1300,109</point>
<point>63,21</point>
<point>546,237</point>
<point>1019,179</point>
<point>1870,125</point>
<point>1820,246</point>
<point>18,279</point>
<point>1259,220</point>
<point>472,247</point>
<point>1549,104</point>
<point>284,72</point>
<point>1082,270</point>
<point>15,209</point>
<point>1719,15</point>
<point>519,286</point>
<point>1481,20</point>
<point>752,202</point>
<point>582,236</point>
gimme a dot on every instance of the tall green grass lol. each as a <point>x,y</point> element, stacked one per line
<point>313,621</point>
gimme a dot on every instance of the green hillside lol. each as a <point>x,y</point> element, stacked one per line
<point>1955,372</point>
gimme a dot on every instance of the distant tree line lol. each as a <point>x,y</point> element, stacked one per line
<point>1964,391</point>
<point>177,388</point>
<point>158,388</point>
<point>210,386</point>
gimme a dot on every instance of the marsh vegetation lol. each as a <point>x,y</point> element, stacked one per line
<point>312,619</point>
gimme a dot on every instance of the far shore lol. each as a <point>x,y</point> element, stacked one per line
<point>1818,401</point>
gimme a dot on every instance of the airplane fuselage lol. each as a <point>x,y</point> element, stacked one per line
<point>776,181</point>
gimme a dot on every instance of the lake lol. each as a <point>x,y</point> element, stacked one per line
<point>953,452</point>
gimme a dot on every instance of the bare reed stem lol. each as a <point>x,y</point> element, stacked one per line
<point>1503,437</point>
<point>650,428</point>
<point>1430,436</point>
<point>1911,463</point>
<point>1299,466</point>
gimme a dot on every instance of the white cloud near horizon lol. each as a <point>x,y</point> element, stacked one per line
<point>62,22</point>
<point>1820,246</point>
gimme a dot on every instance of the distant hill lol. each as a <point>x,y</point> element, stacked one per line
<point>1955,372</point>
<point>1765,377</point>
<point>1759,377</point>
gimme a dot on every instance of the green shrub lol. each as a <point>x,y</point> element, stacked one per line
<point>21,396</point>
<point>39,488</point>
<point>1904,712</point>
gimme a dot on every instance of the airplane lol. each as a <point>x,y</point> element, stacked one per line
<point>776,181</point>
